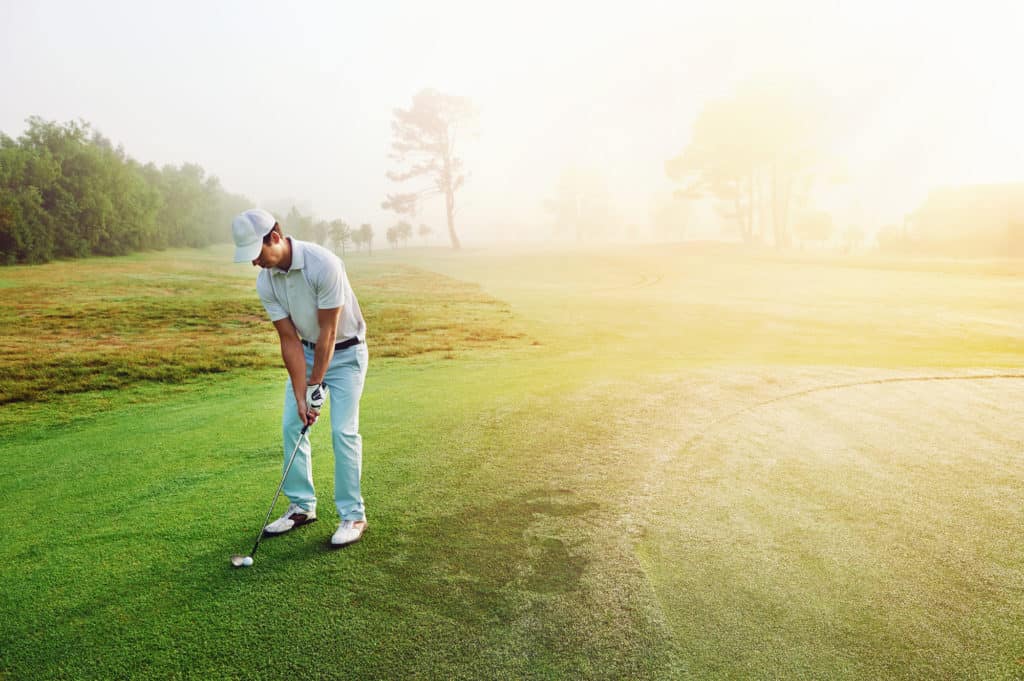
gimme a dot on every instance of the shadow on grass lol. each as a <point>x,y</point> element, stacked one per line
<point>475,553</point>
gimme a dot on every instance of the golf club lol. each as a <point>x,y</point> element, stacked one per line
<point>245,561</point>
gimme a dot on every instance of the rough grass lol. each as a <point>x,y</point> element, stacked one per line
<point>416,312</point>
<point>110,322</point>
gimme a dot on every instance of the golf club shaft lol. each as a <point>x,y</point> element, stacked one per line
<point>277,494</point>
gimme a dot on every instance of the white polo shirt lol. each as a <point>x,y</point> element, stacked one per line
<point>316,280</point>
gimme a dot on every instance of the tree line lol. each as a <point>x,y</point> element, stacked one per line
<point>758,153</point>
<point>66,192</point>
<point>338,235</point>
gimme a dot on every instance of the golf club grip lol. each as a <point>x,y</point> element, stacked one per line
<point>277,494</point>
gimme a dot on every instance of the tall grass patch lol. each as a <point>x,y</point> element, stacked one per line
<point>109,322</point>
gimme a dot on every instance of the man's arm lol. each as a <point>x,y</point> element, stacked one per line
<point>295,362</point>
<point>324,353</point>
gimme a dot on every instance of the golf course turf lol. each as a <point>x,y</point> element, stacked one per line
<point>653,462</point>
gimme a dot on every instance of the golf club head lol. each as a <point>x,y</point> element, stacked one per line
<point>241,561</point>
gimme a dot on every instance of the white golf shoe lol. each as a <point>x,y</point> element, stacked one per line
<point>295,516</point>
<point>349,532</point>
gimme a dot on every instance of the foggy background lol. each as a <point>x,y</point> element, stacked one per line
<point>293,103</point>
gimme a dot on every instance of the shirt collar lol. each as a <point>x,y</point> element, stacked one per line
<point>298,257</point>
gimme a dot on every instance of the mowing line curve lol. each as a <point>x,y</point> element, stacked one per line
<point>837,386</point>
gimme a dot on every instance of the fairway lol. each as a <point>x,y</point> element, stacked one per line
<point>657,462</point>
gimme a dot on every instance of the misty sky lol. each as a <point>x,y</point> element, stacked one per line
<point>294,99</point>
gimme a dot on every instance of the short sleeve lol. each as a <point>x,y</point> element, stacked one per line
<point>265,289</point>
<point>330,284</point>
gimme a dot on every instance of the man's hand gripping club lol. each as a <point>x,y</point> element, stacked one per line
<point>316,394</point>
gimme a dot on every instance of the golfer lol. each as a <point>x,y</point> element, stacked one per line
<point>307,295</point>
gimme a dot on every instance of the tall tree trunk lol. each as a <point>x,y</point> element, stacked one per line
<point>449,198</point>
<point>449,204</point>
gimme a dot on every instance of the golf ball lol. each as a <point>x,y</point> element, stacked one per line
<point>247,561</point>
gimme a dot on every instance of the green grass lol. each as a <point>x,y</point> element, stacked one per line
<point>552,487</point>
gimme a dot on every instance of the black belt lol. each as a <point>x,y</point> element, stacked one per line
<point>340,345</point>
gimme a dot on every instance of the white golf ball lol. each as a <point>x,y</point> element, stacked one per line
<point>247,561</point>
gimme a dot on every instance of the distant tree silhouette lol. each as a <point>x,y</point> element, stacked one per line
<point>757,152</point>
<point>403,232</point>
<point>424,143</point>
<point>341,234</point>
<point>298,225</point>
<point>425,231</point>
<point>365,233</point>
<point>319,232</point>
<point>582,205</point>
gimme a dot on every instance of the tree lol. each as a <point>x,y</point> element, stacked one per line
<point>582,205</point>
<point>340,234</point>
<point>25,231</point>
<point>392,237</point>
<point>424,142</point>
<point>190,203</point>
<point>404,232</point>
<point>757,152</point>
<point>298,225</point>
<point>319,231</point>
<point>366,235</point>
<point>358,239</point>
<point>424,231</point>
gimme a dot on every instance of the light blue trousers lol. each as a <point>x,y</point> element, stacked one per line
<point>344,380</point>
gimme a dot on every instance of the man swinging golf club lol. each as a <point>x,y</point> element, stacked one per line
<point>307,295</point>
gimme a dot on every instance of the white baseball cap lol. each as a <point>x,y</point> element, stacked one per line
<point>248,229</point>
